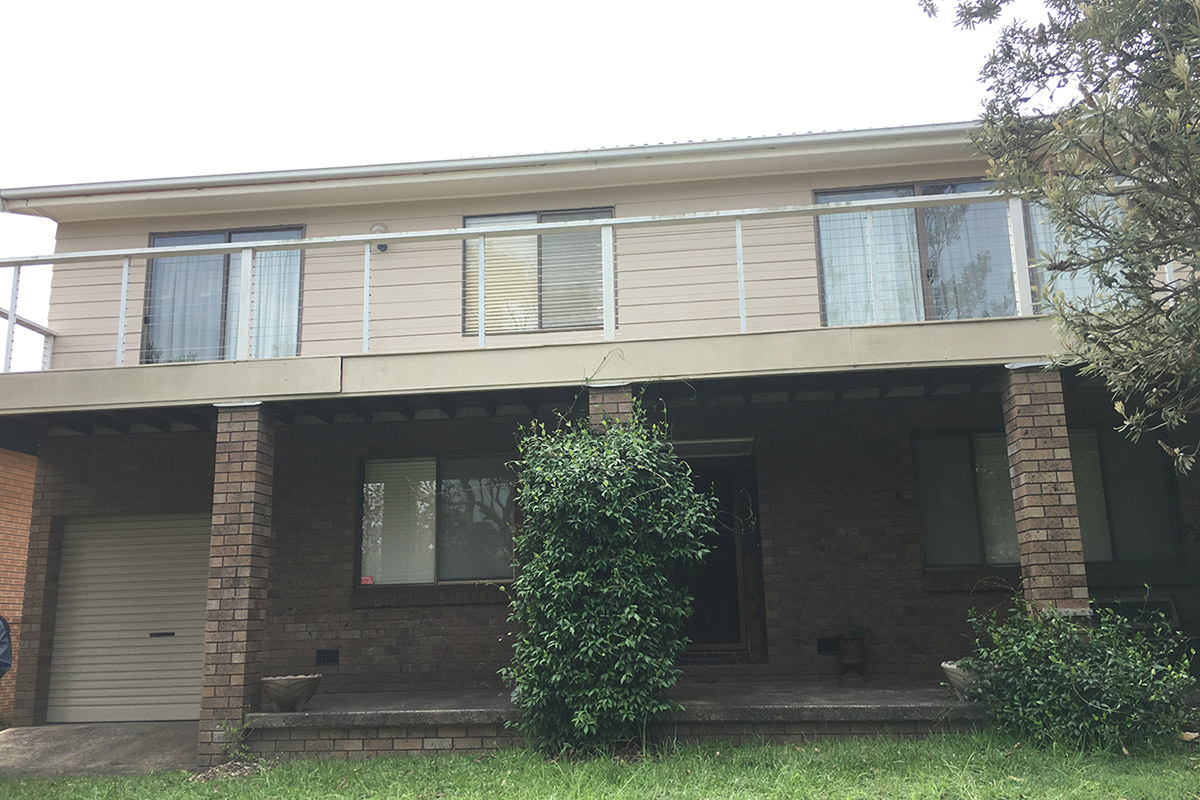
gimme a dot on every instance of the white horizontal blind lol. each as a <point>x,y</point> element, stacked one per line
<point>129,626</point>
<point>1089,495</point>
<point>533,282</point>
<point>572,294</point>
<point>510,280</point>
<point>399,521</point>
<point>994,486</point>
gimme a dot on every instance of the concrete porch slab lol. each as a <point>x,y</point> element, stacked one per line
<point>102,748</point>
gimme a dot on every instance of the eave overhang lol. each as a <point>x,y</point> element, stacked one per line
<point>478,177</point>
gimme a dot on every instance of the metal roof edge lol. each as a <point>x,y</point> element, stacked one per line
<point>731,147</point>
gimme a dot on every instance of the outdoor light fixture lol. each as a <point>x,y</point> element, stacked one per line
<point>379,227</point>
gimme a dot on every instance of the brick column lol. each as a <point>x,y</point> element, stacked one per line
<point>1043,482</point>
<point>17,472</point>
<point>611,401</point>
<point>238,562</point>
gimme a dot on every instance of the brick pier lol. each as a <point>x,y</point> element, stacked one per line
<point>239,554</point>
<point>1039,455</point>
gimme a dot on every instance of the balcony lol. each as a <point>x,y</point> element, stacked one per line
<point>570,280</point>
<point>879,284</point>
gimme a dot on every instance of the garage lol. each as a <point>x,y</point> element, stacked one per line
<point>129,623</point>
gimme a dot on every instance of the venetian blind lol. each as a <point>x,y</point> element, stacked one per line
<point>535,282</point>
<point>399,521</point>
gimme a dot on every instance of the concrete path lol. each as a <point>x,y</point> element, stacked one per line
<point>102,748</point>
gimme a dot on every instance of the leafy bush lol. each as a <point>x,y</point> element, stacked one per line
<point>610,520</point>
<point>1052,678</point>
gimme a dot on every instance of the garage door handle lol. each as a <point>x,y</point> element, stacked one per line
<point>158,634</point>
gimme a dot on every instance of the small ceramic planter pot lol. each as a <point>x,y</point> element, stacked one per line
<point>290,692</point>
<point>960,679</point>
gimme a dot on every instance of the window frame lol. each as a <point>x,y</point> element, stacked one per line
<point>228,233</point>
<point>1172,493</point>
<point>1106,487</point>
<point>468,302</point>
<point>928,303</point>
<point>967,434</point>
<point>426,588</point>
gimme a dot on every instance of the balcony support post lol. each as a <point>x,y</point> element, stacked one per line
<point>741,275</point>
<point>1020,257</point>
<point>245,304</point>
<point>1049,541</point>
<point>10,329</point>
<point>239,561</point>
<point>482,298</point>
<point>123,312</point>
<point>367,297</point>
<point>608,282</point>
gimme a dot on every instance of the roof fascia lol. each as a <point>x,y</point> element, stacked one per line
<point>467,177</point>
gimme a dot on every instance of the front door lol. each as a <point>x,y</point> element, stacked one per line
<point>720,618</point>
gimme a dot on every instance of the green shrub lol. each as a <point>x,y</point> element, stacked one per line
<point>610,520</point>
<point>1103,684</point>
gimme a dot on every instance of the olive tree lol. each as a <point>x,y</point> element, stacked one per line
<point>1093,114</point>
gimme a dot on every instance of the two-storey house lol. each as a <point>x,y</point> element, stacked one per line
<point>277,410</point>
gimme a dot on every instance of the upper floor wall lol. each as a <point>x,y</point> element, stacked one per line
<point>670,280</point>
<point>642,270</point>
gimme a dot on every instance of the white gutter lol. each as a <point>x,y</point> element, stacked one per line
<point>732,147</point>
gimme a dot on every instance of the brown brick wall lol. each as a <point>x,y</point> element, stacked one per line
<point>238,566</point>
<point>369,742</point>
<point>609,402</point>
<point>16,506</point>
<point>838,518</point>
<point>841,534</point>
<point>356,743</point>
<point>152,473</point>
<point>1039,456</point>
<point>389,639</point>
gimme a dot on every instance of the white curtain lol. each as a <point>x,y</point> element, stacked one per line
<point>1045,243</point>
<point>276,297</point>
<point>183,309</point>
<point>870,264</point>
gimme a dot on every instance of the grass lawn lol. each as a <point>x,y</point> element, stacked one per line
<point>951,767</point>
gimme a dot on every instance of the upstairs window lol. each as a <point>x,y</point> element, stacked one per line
<point>1123,495</point>
<point>437,520</point>
<point>533,282</point>
<point>193,303</point>
<point>911,265</point>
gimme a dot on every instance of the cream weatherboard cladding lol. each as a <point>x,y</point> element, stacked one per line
<point>129,631</point>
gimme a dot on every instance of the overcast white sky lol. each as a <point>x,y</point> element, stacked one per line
<point>122,90</point>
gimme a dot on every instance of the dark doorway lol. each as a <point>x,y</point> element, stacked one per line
<point>720,618</point>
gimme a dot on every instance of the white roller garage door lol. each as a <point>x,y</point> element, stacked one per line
<point>129,626</point>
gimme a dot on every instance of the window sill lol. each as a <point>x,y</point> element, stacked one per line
<point>1100,575</point>
<point>1156,574</point>
<point>972,579</point>
<point>445,594</point>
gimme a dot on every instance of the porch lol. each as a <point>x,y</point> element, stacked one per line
<point>868,502</point>
<point>361,725</point>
